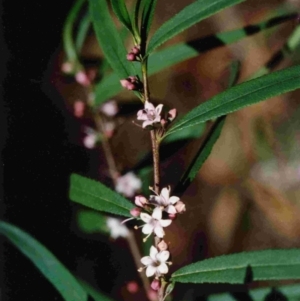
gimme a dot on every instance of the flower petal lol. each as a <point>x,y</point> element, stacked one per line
<point>153,252</point>
<point>165,222</point>
<point>163,268</point>
<point>146,260</point>
<point>157,213</point>
<point>147,122</point>
<point>145,217</point>
<point>171,209</point>
<point>150,271</point>
<point>147,229</point>
<point>159,231</point>
<point>149,106</point>
<point>174,199</point>
<point>163,256</point>
<point>158,109</point>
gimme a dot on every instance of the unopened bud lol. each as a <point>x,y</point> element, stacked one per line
<point>155,284</point>
<point>135,212</point>
<point>140,201</point>
<point>163,122</point>
<point>82,79</point>
<point>132,287</point>
<point>79,108</point>
<point>131,57</point>
<point>136,50</point>
<point>180,207</point>
<point>162,246</point>
<point>127,84</point>
<point>172,114</point>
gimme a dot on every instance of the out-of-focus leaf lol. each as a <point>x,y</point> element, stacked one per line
<point>83,29</point>
<point>97,296</point>
<point>109,39</point>
<point>241,96</point>
<point>95,195</point>
<point>190,15</point>
<point>91,222</point>
<point>172,55</point>
<point>285,292</point>
<point>243,267</point>
<point>46,262</point>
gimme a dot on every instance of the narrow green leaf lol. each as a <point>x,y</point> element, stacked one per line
<point>95,195</point>
<point>97,296</point>
<point>109,39</point>
<point>243,267</point>
<point>172,55</point>
<point>201,156</point>
<point>92,222</point>
<point>241,96</point>
<point>190,15</point>
<point>121,12</point>
<point>147,17</point>
<point>46,262</point>
<point>285,292</point>
<point>83,29</point>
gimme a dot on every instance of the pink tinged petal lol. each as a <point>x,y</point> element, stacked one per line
<point>159,231</point>
<point>141,115</point>
<point>165,222</point>
<point>153,252</point>
<point>157,213</point>
<point>147,229</point>
<point>146,123</point>
<point>174,199</point>
<point>150,271</point>
<point>165,193</point>
<point>163,256</point>
<point>171,209</point>
<point>145,217</point>
<point>149,106</point>
<point>163,268</point>
<point>158,109</point>
<point>146,260</point>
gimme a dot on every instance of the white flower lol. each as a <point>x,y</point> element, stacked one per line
<point>156,263</point>
<point>110,108</point>
<point>165,200</point>
<point>150,114</point>
<point>116,228</point>
<point>89,141</point>
<point>154,223</point>
<point>128,184</point>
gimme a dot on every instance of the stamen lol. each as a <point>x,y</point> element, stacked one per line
<point>126,220</point>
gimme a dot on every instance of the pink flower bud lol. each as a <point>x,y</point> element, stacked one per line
<point>140,201</point>
<point>135,212</point>
<point>162,246</point>
<point>67,67</point>
<point>82,79</point>
<point>172,216</point>
<point>132,287</point>
<point>127,84</point>
<point>133,79</point>
<point>79,107</point>
<point>152,295</point>
<point>131,57</point>
<point>163,122</point>
<point>180,207</point>
<point>155,284</point>
<point>172,114</point>
<point>136,50</point>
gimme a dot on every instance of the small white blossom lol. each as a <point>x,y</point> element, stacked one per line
<point>150,114</point>
<point>154,223</point>
<point>128,184</point>
<point>116,228</point>
<point>109,108</point>
<point>165,200</point>
<point>89,141</point>
<point>156,263</point>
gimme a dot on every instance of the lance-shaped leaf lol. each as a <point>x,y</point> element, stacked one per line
<point>110,86</point>
<point>243,267</point>
<point>147,16</point>
<point>109,39</point>
<point>121,12</point>
<point>97,196</point>
<point>241,96</point>
<point>96,295</point>
<point>46,262</point>
<point>190,15</point>
<point>201,156</point>
<point>284,292</point>
<point>83,29</point>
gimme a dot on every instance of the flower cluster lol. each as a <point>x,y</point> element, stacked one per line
<point>131,83</point>
<point>152,115</point>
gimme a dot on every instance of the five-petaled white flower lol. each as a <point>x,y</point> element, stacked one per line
<point>154,223</point>
<point>128,184</point>
<point>116,228</point>
<point>150,114</point>
<point>165,200</point>
<point>156,263</point>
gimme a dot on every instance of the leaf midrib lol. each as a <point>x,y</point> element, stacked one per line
<point>235,268</point>
<point>234,99</point>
